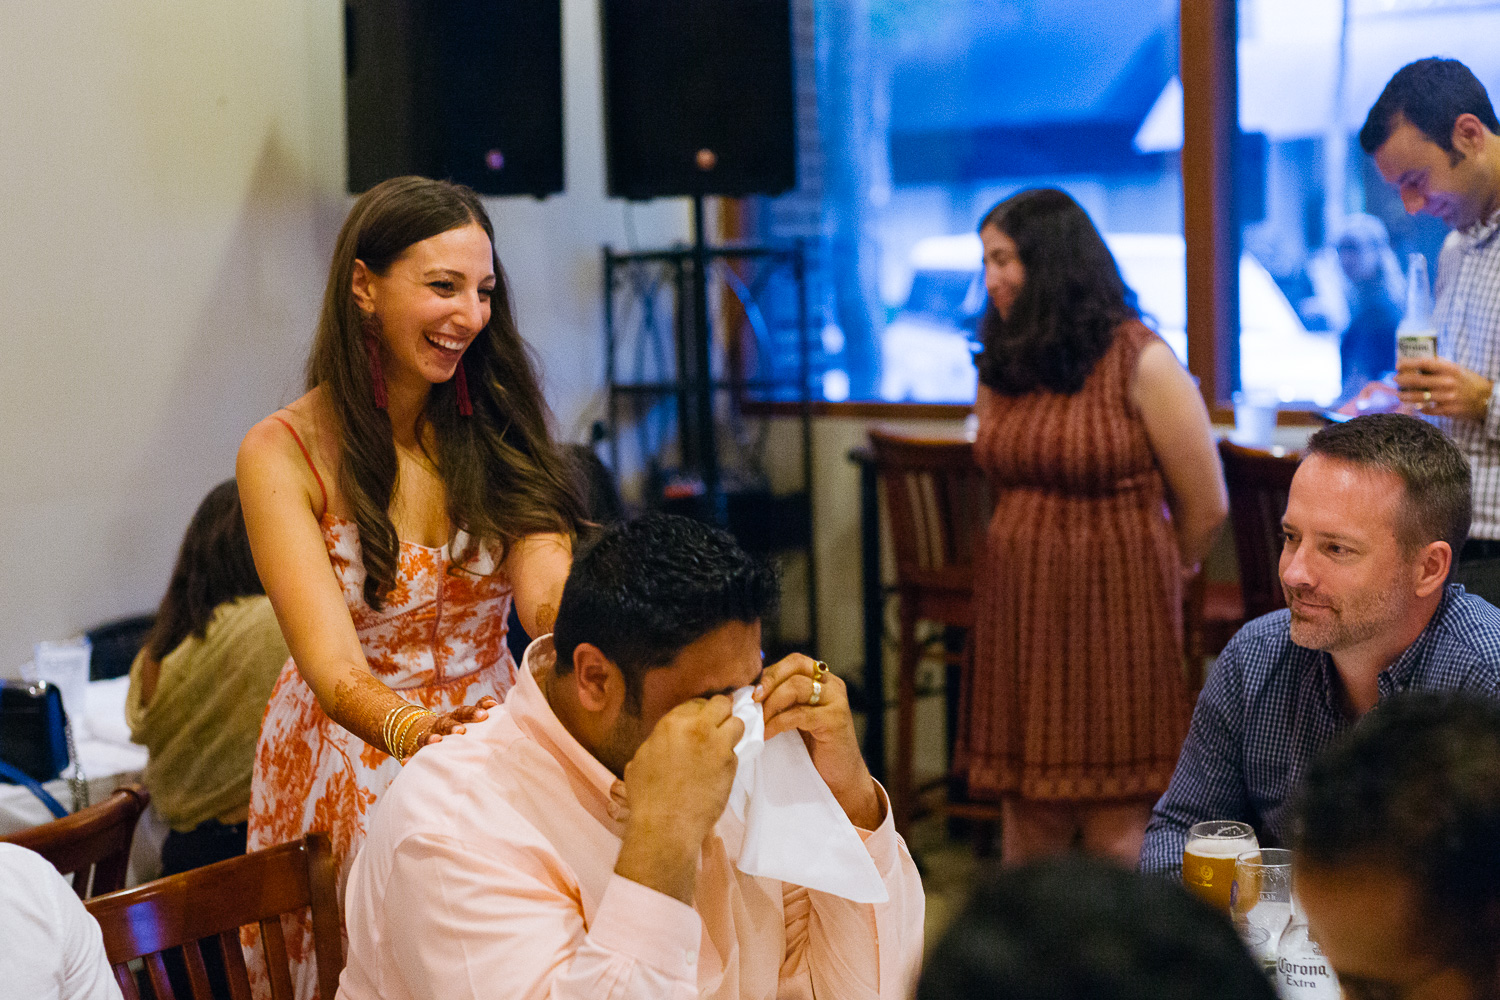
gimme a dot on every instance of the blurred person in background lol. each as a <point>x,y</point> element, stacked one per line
<point>1434,136</point>
<point>1365,302</point>
<point>199,687</point>
<point>1108,493</point>
<point>1080,929</point>
<point>1397,851</point>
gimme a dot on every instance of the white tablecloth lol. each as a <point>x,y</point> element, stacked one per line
<point>109,760</point>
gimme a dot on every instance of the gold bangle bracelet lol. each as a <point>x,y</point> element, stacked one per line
<point>385,728</point>
<point>402,740</point>
<point>393,720</point>
<point>401,729</point>
<point>404,728</point>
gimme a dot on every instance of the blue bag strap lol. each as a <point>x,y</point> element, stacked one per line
<point>15,774</point>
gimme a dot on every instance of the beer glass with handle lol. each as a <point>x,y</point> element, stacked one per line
<point>1208,857</point>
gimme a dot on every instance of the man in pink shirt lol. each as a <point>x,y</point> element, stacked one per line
<point>577,844</point>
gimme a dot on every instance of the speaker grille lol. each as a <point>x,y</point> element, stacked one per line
<point>685,76</point>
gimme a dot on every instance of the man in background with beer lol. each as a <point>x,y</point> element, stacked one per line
<point>1397,850</point>
<point>1434,136</point>
<point>1376,511</point>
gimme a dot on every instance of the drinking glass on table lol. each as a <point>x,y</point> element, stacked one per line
<point>1208,858</point>
<point>1260,900</point>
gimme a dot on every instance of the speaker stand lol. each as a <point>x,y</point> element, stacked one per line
<point>703,452</point>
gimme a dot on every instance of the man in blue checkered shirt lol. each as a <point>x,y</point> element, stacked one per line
<point>1375,513</point>
<point>1434,136</point>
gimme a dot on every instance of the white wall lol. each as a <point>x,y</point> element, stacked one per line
<point>172,184</point>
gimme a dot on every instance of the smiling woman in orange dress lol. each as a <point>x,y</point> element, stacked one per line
<point>395,511</point>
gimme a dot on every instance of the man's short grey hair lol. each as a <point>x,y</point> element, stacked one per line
<point>1439,494</point>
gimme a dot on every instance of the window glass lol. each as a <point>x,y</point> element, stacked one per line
<point>1325,239</point>
<point>926,113</point>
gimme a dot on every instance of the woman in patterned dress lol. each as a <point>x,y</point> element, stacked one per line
<point>395,511</point>
<point>1108,493</point>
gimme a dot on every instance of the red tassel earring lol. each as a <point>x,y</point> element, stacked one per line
<point>371,326</point>
<point>461,387</point>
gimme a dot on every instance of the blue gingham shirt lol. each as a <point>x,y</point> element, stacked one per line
<point>1269,706</point>
<point>1467,318</point>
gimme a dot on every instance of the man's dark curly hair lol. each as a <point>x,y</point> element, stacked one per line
<point>1415,787</point>
<point>1084,929</point>
<point>1065,316</point>
<point>644,589</point>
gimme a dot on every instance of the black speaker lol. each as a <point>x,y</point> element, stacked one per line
<point>468,90</point>
<point>698,97</point>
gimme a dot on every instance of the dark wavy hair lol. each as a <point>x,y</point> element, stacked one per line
<point>214,565</point>
<point>644,589</point>
<point>1065,316</point>
<point>1078,928</point>
<point>503,476</point>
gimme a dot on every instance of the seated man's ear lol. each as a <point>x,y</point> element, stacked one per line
<point>1432,565</point>
<point>600,684</point>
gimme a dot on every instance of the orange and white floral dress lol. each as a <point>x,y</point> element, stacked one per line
<point>438,641</point>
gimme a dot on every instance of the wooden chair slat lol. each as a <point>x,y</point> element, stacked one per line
<point>274,943</point>
<point>328,934</point>
<point>192,955</point>
<point>126,980</point>
<point>156,969</point>
<point>234,965</point>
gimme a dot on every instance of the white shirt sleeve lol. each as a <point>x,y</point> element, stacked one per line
<point>52,948</point>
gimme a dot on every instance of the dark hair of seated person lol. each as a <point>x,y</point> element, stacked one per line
<point>644,589</point>
<point>1082,929</point>
<point>1416,787</point>
<point>1071,302</point>
<point>214,565</point>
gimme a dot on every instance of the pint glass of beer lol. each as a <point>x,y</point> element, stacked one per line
<point>1208,858</point>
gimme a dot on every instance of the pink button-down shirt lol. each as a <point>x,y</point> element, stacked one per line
<point>489,872</point>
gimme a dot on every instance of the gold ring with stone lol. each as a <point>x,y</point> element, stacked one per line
<point>817,694</point>
<point>822,669</point>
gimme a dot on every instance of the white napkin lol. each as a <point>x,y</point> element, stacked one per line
<point>795,830</point>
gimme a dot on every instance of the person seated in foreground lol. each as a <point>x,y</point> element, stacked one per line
<point>577,844</point>
<point>1084,929</point>
<point>1376,511</point>
<point>51,948</point>
<point>1397,851</point>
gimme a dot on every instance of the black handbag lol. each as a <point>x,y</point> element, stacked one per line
<point>36,742</point>
<point>33,728</point>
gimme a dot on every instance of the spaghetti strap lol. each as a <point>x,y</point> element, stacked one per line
<point>308,456</point>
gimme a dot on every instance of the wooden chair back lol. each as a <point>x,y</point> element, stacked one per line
<point>938,507</point>
<point>215,902</point>
<point>1259,483</point>
<point>93,844</point>
<point>938,504</point>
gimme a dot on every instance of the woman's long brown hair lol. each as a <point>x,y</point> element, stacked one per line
<point>503,476</point>
<point>214,565</point>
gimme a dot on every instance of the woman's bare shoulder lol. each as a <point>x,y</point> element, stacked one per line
<point>305,419</point>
